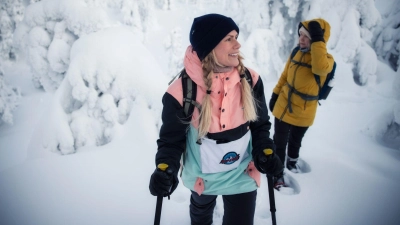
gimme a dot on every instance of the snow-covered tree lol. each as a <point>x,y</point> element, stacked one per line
<point>269,28</point>
<point>351,36</point>
<point>47,33</point>
<point>387,35</point>
<point>96,95</point>
<point>131,15</point>
<point>137,14</point>
<point>390,135</point>
<point>50,28</point>
<point>9,100</point>
<point>11,13</point>
<point>175,52</point>
<point>164,4</point>
<point>102,84</point>
<point>146,9</point>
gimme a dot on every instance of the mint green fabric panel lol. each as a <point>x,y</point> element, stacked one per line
<point>224,183</point>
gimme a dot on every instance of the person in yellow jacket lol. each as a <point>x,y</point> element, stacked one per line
<point>294,100</point>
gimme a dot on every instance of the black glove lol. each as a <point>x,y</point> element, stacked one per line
<point>163,183</point>
<point>316,32</point>
<point>268,164</point>
<point>272,102</point>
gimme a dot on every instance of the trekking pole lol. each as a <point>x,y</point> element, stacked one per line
<point>157,216</point>
<point>271,191</point>
<point>271,199</point>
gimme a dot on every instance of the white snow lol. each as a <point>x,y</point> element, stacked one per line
<point>82,150</point>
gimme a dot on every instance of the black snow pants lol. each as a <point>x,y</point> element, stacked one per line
<point>290,136</point>
<point>238,209</point>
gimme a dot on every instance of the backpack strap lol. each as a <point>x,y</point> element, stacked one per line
<point>294,51</point>
<point>248,76</point>
<point>189,95</point>
<point>317,77</point>
<point>178,74</point>
<point>318,80</point>
<point>300,63</point>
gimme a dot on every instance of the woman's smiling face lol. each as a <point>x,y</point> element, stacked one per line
<point>227,51</point>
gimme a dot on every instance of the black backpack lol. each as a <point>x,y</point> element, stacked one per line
<point>325,89</point>
<point>190,88</point>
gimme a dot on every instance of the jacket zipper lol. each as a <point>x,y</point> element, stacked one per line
<point>284,112</point>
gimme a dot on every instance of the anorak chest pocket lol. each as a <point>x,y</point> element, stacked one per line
<point>223,157</point>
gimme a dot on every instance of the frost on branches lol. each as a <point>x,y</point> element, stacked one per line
<point>9,98</point>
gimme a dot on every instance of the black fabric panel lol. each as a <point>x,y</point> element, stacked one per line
<point>229,135</point>
<point>172,139</point>
<point>260,128</point>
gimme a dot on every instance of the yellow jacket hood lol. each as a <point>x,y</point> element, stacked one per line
<point>324,25</point>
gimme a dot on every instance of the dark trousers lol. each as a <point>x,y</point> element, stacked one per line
<point>238,209</point>
<point>290,136</point>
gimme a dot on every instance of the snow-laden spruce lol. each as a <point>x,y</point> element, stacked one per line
<point>108,73</point>
<point>9,100</point>
<point>387,35</point>
<point>11,13</point>
<point>173,47</point>
<point>50,27</point>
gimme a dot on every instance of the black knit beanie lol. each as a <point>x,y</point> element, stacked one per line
<point>208,30</point>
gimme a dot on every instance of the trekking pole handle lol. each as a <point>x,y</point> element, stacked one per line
<point>162,166</point>
<point>267,153</point>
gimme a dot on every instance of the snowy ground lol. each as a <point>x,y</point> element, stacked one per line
<point>352,178</point>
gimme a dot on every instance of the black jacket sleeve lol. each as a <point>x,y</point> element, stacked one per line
<point>172,139</point>
<point>260,128</point>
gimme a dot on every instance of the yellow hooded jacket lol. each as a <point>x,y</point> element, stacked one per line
<point>302,79</point>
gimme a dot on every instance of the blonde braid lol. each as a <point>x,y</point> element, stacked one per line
<point>206,108</point>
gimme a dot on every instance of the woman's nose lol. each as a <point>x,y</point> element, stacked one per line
<point>237,44</point>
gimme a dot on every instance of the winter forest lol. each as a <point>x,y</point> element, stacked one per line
<point>49,36</point>
<point>83,79</point>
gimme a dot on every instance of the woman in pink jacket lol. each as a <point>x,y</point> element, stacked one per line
<point>226,143</point>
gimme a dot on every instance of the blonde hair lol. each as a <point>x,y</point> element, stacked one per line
<point>247,99</point>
